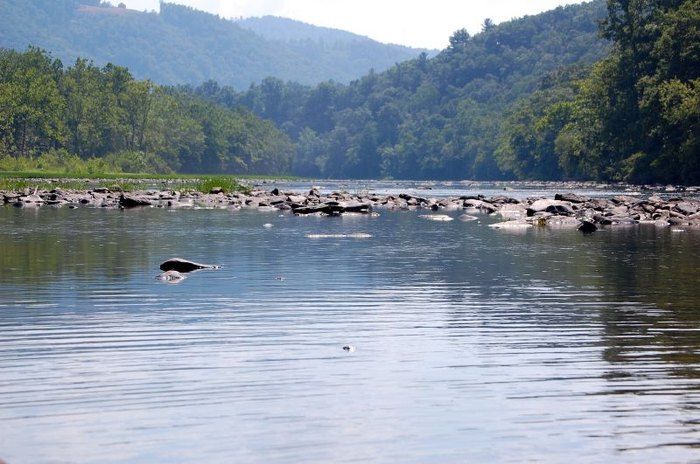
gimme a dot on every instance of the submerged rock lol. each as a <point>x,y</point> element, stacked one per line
<point>511,225</point>
<point>184,266</point>
<point>587,227</point>
<point>571,198</point>
<point>171,277</point>
<point>359,235</point>
<point>437,217</point>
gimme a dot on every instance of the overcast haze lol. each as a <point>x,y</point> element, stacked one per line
<point>419,24</point>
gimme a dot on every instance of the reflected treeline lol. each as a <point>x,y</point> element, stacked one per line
<point>659,269</point>
<point>38,245</point>
<point>643,279</point>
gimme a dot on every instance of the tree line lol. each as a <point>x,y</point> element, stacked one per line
<point>106,119</point>
<point>602,90</point>
<point>606,90</point>
<point>634,115</point>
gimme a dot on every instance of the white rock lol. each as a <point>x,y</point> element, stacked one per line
<point>437,217</point>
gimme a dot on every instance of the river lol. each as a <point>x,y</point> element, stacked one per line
<point>468,344</point>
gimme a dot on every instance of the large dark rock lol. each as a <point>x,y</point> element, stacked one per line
<point>571,197</point>
<point>603,220</point>
<point>587,227</point>
<point>550,206</point>
<point>133,201</point>
<point>333,208</point>
<point>687,207</point>
<point>561,209</point>
<point>184,266</point>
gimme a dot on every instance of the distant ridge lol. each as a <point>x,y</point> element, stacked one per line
<point>290,30</point>
<point>181,45</point>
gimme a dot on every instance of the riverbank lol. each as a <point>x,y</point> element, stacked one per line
<point>566,209</point>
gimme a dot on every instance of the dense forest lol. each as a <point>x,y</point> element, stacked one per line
<point>182,45</point>
<point>635,115</point>
<point>603,90</point>
<point>426,118</point>
<point>103,120</point>
<point>606,90</point>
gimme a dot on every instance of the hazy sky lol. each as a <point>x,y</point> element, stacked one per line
<point>426,23</point>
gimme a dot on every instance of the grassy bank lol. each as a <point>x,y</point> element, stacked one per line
<point>21,180</point>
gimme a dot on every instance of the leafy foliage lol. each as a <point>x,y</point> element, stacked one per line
<point>85,118</point>
<point>635,116</point>
<point>425,118</point>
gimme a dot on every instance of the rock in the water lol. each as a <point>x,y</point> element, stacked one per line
<point>171,277</point>
<point>587,227</point>
<point>358,235</point>
<point>437,217</point>
<point>571,197</point>
<point>550,206</point>
<point>467,218</point>
<point>129,201</point>
<point>480,205</point>
<point>511,225</point>
<point>184,266</point>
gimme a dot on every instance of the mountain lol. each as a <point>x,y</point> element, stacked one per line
<point>180,45</point>
<point>290,30</point>
<point>428,118</point>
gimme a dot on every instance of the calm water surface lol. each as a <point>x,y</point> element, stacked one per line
<point>473,345</point>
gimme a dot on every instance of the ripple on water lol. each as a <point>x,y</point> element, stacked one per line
<point>470,345</point>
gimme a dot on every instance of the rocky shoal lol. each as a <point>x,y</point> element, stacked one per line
<point>565,210</point>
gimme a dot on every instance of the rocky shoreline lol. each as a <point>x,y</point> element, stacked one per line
<point>564,210</point>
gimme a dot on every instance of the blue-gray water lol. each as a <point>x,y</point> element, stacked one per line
<point>472,344</point>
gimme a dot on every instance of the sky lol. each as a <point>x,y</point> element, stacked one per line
<point>425,24</point>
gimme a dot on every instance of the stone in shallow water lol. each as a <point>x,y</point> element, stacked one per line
<point>183,265</point>
<point>587,227</point>
<point>511,225</point>
<point>359,235</point>
<point>437,217</point>
<point>171,277</point>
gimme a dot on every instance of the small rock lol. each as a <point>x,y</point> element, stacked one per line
<point>587,227</point>
<point>511,225</point>
<point>437,217</point>
<point>171,277</point>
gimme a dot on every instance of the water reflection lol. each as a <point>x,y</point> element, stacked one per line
<point>472,345</point>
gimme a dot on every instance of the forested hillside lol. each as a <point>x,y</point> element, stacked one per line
<point>634,116</point>
<point>426,118</point>
<point>103,120</point>
<point>183,45</point>
<point>606,90</point>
